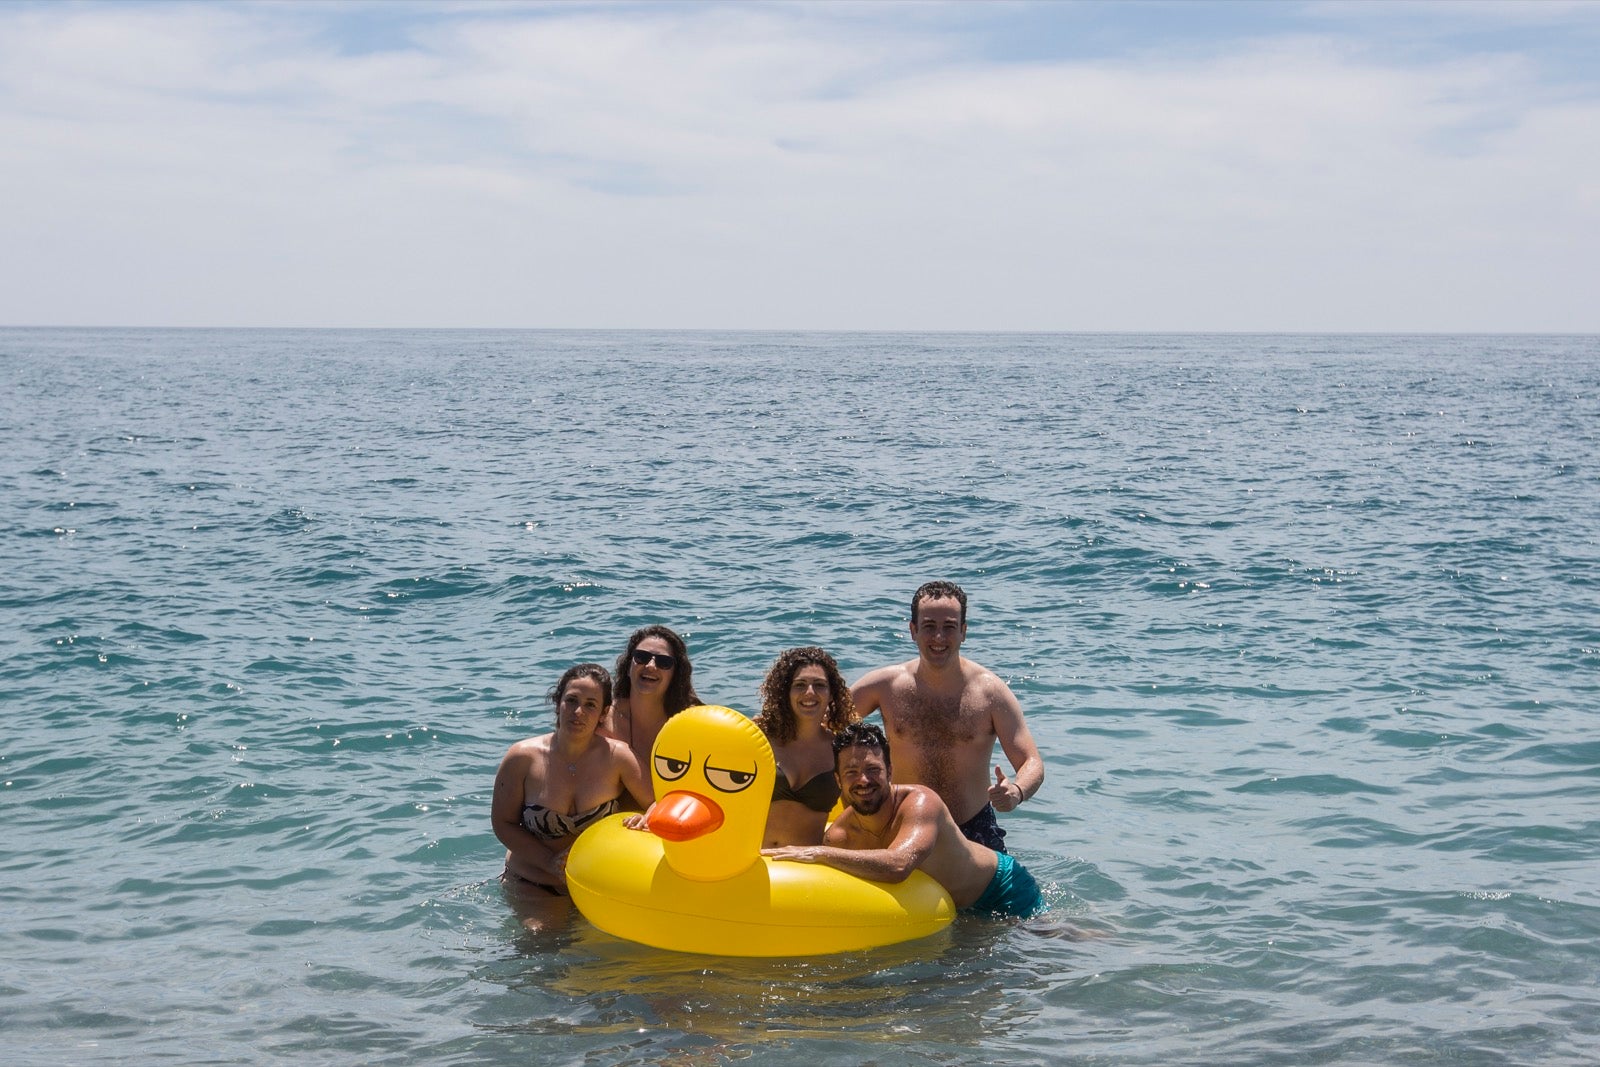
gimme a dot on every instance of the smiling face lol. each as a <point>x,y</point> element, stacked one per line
<point>938,631</point>
<point>650,678</point>
<point>810,693</point>
<point>863,778</point>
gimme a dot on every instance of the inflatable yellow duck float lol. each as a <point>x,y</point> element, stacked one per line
<point>697,882</point>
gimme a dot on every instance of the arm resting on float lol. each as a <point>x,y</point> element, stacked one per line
<point>913,843</point>
<point>875,865</point>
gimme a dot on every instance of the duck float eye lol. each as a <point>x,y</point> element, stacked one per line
<point>671,769</point>
<point>729,781</point>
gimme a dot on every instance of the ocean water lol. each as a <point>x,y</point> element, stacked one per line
<point>1307,629</point>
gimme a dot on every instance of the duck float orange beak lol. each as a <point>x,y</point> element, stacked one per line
<point>680,816</point>
<point>697,882</point>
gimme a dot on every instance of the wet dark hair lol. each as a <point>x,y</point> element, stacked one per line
<point>777,719</point>
<point>583,670</point>
<point>938,591</point>
<point>680,690</point>
<point>865,734</point>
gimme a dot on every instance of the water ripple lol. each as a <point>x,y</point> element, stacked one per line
<point>1303,626</point>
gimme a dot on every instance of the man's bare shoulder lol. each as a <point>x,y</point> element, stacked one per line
<point>919,801</point>
<point>884,676</point>
<point>880,688</point>
<point>984,682</point>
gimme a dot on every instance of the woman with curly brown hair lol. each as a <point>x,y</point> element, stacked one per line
<point>804,700</point>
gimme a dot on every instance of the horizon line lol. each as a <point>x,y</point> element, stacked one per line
<point>1164,332</point>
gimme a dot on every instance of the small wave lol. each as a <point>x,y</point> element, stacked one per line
<point>447,586</point>
<point>141,630</point>
<point>1321,785</point>
<point>1577,754</point>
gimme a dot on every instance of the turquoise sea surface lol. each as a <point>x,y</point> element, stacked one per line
<point>1307,629</point>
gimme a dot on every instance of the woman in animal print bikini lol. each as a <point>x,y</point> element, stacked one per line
<point>550,787</point>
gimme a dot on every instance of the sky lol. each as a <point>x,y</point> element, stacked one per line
<point>1195,166</point>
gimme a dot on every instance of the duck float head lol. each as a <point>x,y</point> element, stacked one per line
<point>696,881</point>
<point>713,771</point>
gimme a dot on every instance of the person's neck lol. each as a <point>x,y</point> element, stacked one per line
<point>878,824</point>
<point>948,676</point>
<point>808,730</point>
<point>569,745</point>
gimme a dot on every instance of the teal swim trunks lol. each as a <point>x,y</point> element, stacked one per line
<point>1012,891</point>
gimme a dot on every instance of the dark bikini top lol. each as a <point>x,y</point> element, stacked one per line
<point>553,825</point>
<point>818,794</point>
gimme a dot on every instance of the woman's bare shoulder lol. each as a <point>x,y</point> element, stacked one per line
<point>616,748</point>
<point>618,722</point>
<point>528,746</point>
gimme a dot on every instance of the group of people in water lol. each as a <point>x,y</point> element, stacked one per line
<point>942,714</point>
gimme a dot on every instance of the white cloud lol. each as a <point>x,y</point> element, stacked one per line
<point>752,166</point>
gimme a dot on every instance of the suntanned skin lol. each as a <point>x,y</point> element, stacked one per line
<point>943,714</point>
<point>889,830</point>
<point>571,770</point>
<point>638,718</point>
<point>808,755</point>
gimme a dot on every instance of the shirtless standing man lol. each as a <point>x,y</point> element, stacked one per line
<point>943,714</point>
<point>888,830</point>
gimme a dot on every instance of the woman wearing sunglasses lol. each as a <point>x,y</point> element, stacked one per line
<point>654,683</point>
<point>804,702</point>
<point>551,787</point>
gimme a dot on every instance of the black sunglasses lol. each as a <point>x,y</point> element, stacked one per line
<point>662,660</point>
